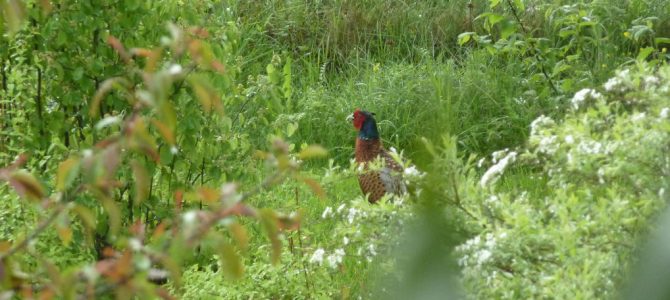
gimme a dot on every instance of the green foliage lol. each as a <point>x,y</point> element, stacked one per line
<point>147,147</point>
<point>600,167</point>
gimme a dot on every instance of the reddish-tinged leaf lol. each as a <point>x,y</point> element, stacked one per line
<point>65,234</point>
<point>4,246</point>
<point>159,230</point>
<point>67,172</point>
<point>239,233</point>
<point>164,294</point>
<point>231,262</point>
<point>269,221</point>
<point>205,93</point>
<point>14,13</point>
<point>105,87</point>
<point>179,200</point>
<point>116,44</point>
<point>208,195</point>
<point>315,186</point>
<point>114,214</point>
<point>47,294</point>
<point>166,132</point>
<point>26,185</point>
<point>46,6</point>
<point>86,216</point>
<point>291,222</point>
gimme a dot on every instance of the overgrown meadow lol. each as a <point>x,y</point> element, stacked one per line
<point>200,149</point>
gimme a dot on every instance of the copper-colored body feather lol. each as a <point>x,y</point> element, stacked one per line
<point>376,183</point>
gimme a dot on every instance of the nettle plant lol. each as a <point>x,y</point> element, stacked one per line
<point>136,250</point>
<point>596,189</point>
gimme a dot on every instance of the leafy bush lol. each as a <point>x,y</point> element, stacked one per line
<point>599,169</point>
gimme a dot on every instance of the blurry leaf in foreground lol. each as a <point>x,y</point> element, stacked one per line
<point>427,270</point>
<point>650,276</point>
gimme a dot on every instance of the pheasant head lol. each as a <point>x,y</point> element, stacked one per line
<point>366,125</point>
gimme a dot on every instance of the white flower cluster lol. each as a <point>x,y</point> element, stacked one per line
<point>618,83</point>
<point>580,98</point>
<point>541,122</point>
<point>494,172</point>
<point>477,251</point>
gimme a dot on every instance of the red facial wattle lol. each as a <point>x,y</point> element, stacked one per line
<point>359,118</point>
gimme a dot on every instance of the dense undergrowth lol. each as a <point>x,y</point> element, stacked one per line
<point>540,129</point>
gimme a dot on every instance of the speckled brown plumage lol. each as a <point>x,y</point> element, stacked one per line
<point>376,183</point>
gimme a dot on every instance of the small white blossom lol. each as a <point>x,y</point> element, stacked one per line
<point>665,112</point>
<point>340,208</point>
<point>189,217</point>
<point>480,163</point>
<point>540,123</point>
<point>335,258</point>
<point>372,250</point>
<point>569,139</point>
<point>327,212</point>
<point>483,256</point>
<point>638,117</point>
<point>352,214</point>
<point>174,150</point>
<point>412,171</point>
<point>496,170</point>
<point>175,69</point>
<point>317,256</point>
<point>345,240</point>
<point>580,97</point>
<point>651,80</point>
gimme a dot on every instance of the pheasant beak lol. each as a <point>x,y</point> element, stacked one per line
<point>350,118</point>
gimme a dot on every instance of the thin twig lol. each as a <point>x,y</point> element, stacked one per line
<point>40,228</point>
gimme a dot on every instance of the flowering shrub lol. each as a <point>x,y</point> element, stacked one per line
<point>596,189</point>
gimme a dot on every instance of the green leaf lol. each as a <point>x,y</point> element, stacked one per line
<point>26,185</point>
<point>14,14</point>
<point>312,151</point>
<point>270,223</point>
<point>644,53</point>
<point>142,182</point>
<point>464,37</point>
<point>67,172</point>
<point>519,5</point>
<point>231,262</point>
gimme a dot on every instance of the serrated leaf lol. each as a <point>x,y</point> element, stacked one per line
<point>67,172</point>
<point>313,151</point>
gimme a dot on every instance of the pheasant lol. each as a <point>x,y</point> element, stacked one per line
<point>375,183</point>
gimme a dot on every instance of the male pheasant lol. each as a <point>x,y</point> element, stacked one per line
<point>375,183</point>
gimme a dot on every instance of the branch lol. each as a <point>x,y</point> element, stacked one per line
<point>40,228</point>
